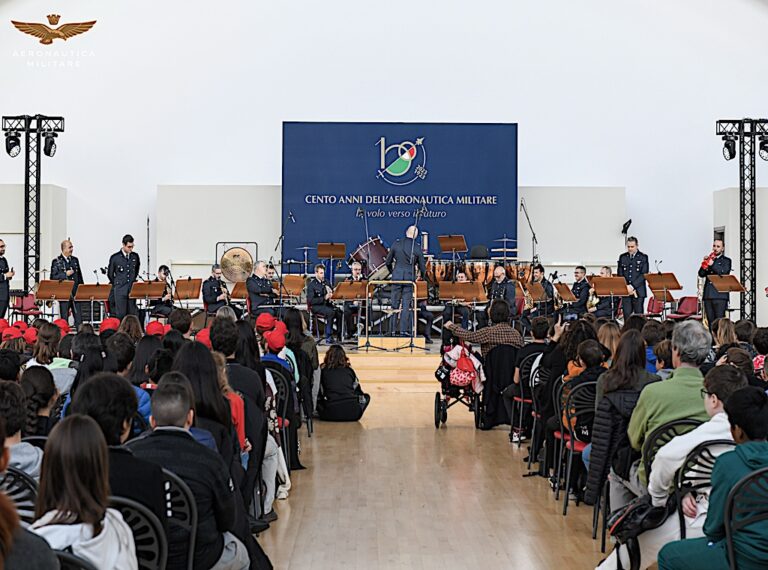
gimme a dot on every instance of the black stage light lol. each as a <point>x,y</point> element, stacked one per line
<point>49,148</point>
<point>12,143</point>
<point>729,148</point>
<point>763,148</point>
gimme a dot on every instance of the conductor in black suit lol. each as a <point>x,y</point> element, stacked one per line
<point>715,303</point>
<point>123,270</point>
<point>632,266</point>
<point>403,258</point>
<point>66,267</point>
<point>6,274</point>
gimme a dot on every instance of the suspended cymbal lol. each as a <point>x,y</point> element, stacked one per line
<point>503,249</point>
<point>236,264</point>
<point>505,239</point>
<point>305,248</point>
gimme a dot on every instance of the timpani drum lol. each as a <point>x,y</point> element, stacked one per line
<point>371,256</point>
<point>479,270</point>
<point>439,270</point>
<point>519,270</point>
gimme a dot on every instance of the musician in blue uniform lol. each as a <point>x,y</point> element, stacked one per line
<point>215,293</point>
<point>353,310</point>
<point>260,291</point>
<point>162,307</point>
<point>717,263</point>
<point>122,271</point>
<point>319,294</point>
<point>502,287</point>
<point>542,308</point>
<point>632,266</point>
<point>6,274</point>
<point>580,290</point>
<point>403,258</point>
<point>607,307</point>
<point>455,310</point>
<point>66,267</point>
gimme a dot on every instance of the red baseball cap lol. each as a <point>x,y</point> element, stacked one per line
<point>155,328</point>
<point>63,326</point>
<point>3,325</point>
<point>12,333</point>
<point>280,327</point>
<point>275,340</point>
<point>204,336</point>
<point>21,325</point>
<point>110,324</point>
<point>30,335</point>
<point>265,322</point>
<point>166,328</point>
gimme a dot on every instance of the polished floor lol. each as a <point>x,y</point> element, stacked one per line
<point>393,492</point>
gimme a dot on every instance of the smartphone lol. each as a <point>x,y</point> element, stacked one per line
<point>570,317</point>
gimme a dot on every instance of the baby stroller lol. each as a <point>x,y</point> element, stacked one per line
<point>461,381</point>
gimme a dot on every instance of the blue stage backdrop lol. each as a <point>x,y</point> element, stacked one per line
<point>462,177</point>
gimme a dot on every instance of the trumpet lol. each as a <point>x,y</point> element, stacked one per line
<point>709,260</point>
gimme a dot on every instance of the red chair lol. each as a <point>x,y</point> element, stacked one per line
<point>687,308</point>
<point>655,308</point>
<point>25,307</point>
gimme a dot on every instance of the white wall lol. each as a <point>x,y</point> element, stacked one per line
<point>53,226</point>
<point>726,207</point>
<point>607,94</point>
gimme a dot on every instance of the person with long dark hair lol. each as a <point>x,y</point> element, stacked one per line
<point>173,340</point>
<point>628,369</point>
<point>145,349</point>
<point>41,393</point>
<point>131,326</point>
<point>73,497</point>
<point>341,398</point>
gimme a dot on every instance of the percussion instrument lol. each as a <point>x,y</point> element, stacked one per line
<point>371,256</point>
<point>439,270</point>
<point>480,270</point>
<point>236,264</point>
<point>519,270</point>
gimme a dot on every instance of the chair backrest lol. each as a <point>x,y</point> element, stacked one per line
<point>557,398</point>
<point>148,534</point>
<point>36,440</point>
<point>525,374</point>
<point>747,504</point>
<point>68,561</point>
<point>581,400</point>
<point>182,510</point>
<point>22,490</point>
<point>688,306</point>
<point>662,435</point>
<point>696,471</point>
<point>283,385</point>
<point>28,302</point>
<point>655,306</point>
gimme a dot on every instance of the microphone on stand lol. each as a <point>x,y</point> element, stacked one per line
<point>657,263</point>
<point>522,201</point>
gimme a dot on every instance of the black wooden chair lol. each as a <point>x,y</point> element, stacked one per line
<point>22,490</point>
<point>662,435</point>
<point>36,440</point>
<point>581,400</point>
<point>69,561</point>
<point>524,401</point>
<point>182,511</point>
<point>696,472</point>
<point>747,504</point>
<point>148,533</point>
<point>283,406</point>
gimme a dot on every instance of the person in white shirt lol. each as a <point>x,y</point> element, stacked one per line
<point>719,384</point>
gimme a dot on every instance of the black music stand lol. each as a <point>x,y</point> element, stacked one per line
<point>455,244</point>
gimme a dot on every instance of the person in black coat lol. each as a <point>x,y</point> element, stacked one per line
<point>402,260</point>
<point>215,295</point>
<point>341,398</point>
<point>66,267</point>
<point>319,293</point>
<point>6,274</point>
<point>260,291</point>
<point>111,401</point>
<point>715,303</point>
<point>632,266</point>
<point>580,290</point>
<point>122,271</point>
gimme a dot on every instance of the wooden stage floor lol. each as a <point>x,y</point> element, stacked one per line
<point>391,491</point>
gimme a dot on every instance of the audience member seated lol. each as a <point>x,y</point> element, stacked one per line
<point>72,501</point>
<point>629,366</point>
<point>747,411</point>
<point>138,373</point>
<point>653,333</point>
<point>341,398</point>
<point>500,331</point>
<point>13,409</point>
<point>181,321</point>
<point>10,365</point>
<point>608,335</point>
<point>171,445</point>
<point>676,398</point>
<point>20,549</point>
<point>121,348</point>
<point>719,384</point>
<point>760,340</point>
<point>634,322</point>
<point>740,358</point>
<point>131,326</point>
<point>745,332</point>
<point>45,353</point>
<point>173,340</point>
<point>111,401</point>
<point>663,353</point>
<point>41,394</point>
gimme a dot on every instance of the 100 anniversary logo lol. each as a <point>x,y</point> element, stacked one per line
<point>402,163</point>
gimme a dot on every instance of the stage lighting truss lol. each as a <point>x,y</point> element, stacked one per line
<point>748,133</point>
<point>34,128</point>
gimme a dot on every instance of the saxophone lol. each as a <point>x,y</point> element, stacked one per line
<point>593,299</point>
<point>528,300</point>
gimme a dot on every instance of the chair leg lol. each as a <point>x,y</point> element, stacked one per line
<point>287,449</point>
<point>533,444</point>
<point>558,476</point>
<point>568,478</point>
<point>596,516</point>
<point>606,512</point>
<point>520,425</point>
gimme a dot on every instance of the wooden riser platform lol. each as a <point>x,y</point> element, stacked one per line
<point>393,367</point>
